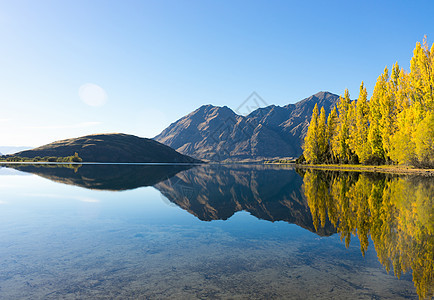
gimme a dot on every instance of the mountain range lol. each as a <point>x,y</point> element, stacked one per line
<point>219,134</point>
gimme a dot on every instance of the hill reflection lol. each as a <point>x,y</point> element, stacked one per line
<point>112,177</point>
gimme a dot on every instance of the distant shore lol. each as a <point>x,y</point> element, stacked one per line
<point>403,170</point>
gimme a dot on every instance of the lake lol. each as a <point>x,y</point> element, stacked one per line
<point>213,231</point>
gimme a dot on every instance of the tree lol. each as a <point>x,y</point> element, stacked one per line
<point>375,138</point>
<point>422,76</point>
<point>76,158</point>
<point>311,139</point>
<point>331,133</point>
<point>340,140</point>
<point>411,142</point>
<point>322,136</point>
<point>388,109</point>
<point>424,141</point>
<point>395,126</point>
<point>359,130</point>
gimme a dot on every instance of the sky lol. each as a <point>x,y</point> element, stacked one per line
<point>71,68</point>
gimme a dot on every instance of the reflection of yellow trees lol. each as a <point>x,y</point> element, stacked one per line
<point>397,213</point>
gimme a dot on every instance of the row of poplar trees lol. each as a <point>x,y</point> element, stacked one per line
<point>396,126</point>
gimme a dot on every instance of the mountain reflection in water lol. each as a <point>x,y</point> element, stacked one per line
<point>209,192</point>
<point>268,193</point>
<point>396,212</point>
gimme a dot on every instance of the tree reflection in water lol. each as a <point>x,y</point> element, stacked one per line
<point>396,212</point>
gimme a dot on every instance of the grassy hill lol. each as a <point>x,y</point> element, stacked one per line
<point>111,148</point>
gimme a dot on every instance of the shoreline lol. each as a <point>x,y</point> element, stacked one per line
<point>390,169</point>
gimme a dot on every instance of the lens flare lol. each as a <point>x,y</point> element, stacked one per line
<point>92,94</point>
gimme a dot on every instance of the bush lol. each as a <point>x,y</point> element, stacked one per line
<point>423,164</point>
<point>300,160</point>
<point>76,158</point>
<point>375,161</point>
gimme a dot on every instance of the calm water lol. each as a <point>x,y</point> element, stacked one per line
<point>257,232</point>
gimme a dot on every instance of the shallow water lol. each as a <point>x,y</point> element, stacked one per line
<point>185,233</point>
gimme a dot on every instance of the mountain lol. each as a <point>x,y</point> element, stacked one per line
<point>217,192</point>
<point>218,134</point>
<point>111,148</point>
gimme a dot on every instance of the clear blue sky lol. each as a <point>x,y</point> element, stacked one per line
<point>148,63</point>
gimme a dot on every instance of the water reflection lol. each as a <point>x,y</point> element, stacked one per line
<point>396,212</point>
<point>112,177</point>
<point>208,192</point>
<point>216,193</point>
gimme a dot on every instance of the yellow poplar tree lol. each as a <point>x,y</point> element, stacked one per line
<point>340,140</point>
<point>396,125</point>
<point>375,139</point>
<point>424,141</point>
<point>331,132</point>
<point>411,143</point>
<point>403,143</point>
<point>421,76</point>
<point>322,136</point>
<point>388,107</point>
<point>311,139</point>
<point>359,132</point>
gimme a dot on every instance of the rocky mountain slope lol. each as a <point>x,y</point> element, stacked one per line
<point>218,134</point>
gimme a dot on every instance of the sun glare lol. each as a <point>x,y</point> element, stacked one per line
<point>92,94</point>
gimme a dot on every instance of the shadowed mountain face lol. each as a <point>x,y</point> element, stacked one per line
<point>217,192</point>
<point>111,148</point>
<point>104,177</point>
<point>217,133</point>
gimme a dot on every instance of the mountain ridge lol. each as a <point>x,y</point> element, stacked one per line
<point>218,133</point>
